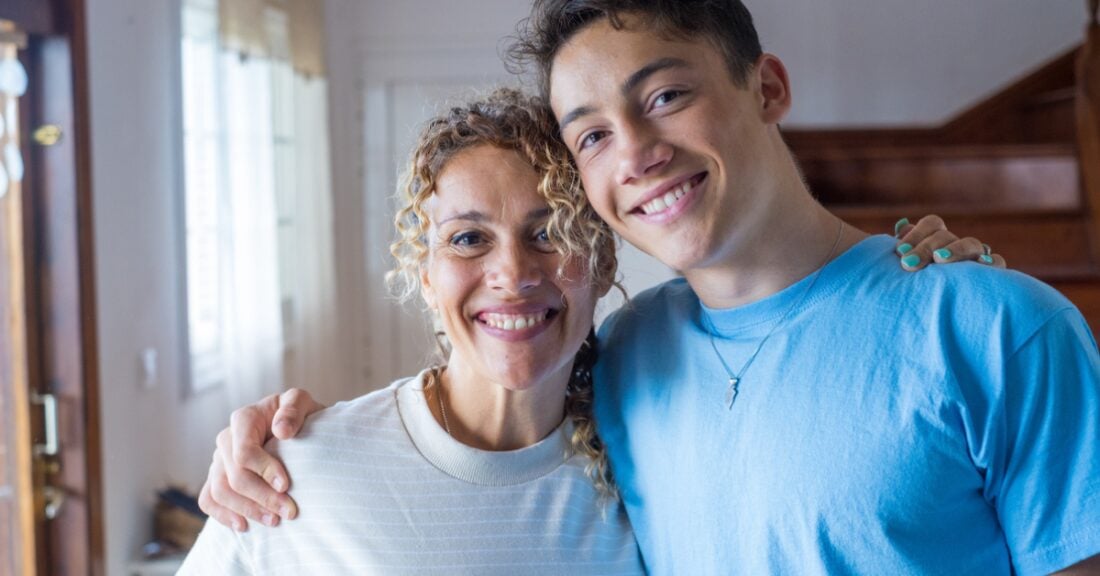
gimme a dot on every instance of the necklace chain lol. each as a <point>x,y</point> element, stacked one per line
<point>438,377</point>
<point>733,387</point>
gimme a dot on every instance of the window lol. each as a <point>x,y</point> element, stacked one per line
<point>202,136</point>
<point>257,194</point>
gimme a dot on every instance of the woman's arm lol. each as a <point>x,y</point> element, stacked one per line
<point>929,241</point>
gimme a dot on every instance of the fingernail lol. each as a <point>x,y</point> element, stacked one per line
<point>277,483</point>
<point>238,526</point>
<point>904,249</point>
<point>281,422</point>
<point>900,224</point>
<point>911,261</point>
<point>986,258</point>
<point>269,519</point>
<point>943,253</point>
<point>284,511</point>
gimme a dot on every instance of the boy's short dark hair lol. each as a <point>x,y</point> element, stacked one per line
<point>726,23</point>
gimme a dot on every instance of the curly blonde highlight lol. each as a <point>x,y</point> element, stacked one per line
<point>510,120</point>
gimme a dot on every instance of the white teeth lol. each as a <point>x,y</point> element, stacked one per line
<point>513,321</point>
<point>661,202</point>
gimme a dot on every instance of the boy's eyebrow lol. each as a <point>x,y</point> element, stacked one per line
<point>573,115</point>
<point>628,86</point>
<point>648,70</point>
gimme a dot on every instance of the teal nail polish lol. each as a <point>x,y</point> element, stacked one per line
<point>900,224</point>
<point>904,249</point>
<point>943,253</point>
<point>986,258</point>
<point>911,261</point>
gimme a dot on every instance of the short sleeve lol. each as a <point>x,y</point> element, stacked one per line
<point>218,550</point>
<point>1047,484</point>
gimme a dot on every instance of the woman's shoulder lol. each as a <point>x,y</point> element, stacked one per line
<point>367,423</point>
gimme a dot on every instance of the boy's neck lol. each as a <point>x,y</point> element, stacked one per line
<point>798,238</point>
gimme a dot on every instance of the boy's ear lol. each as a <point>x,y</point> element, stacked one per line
<point>775,88</point>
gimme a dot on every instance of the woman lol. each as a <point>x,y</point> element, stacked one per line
<point>488,463</point>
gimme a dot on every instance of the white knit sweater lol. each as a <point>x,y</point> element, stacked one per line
<point>383,489</point>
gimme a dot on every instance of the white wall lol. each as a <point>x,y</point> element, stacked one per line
<point>908,62</point>
<point>851,61</point>
<point>151,436</point>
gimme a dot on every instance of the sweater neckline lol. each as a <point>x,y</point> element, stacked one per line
<point>473,465</point>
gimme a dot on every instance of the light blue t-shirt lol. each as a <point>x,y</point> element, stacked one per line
<point>946,422</point>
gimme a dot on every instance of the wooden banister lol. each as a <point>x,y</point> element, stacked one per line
<point>1088,124</point>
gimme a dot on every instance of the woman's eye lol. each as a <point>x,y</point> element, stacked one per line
<point>542,241</point>
<point>466,239</point>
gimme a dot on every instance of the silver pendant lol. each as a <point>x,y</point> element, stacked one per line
<point>731,392</point>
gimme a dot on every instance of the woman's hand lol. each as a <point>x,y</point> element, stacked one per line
<point>930,241</point>
<point>245,481</point>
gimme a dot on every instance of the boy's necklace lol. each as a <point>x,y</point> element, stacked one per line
<point>735,379</point>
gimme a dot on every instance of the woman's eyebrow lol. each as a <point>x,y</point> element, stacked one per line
<point>478,216</point>
<point>539,214</point>
<point>470,215</point>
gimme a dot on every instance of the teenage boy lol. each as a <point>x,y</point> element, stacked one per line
<point>797,403</point>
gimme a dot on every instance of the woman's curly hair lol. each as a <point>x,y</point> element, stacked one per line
<point>511,120</point>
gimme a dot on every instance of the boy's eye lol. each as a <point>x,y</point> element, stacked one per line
<point>591,139</point>
<point>666,97</point>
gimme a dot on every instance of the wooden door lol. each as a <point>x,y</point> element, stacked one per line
<point>17,524</point>
<point>49,345</point>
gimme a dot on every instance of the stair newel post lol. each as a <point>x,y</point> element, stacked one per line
<point>1088,124</point>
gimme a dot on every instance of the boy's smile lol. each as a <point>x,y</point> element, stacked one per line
<point>674,155</point>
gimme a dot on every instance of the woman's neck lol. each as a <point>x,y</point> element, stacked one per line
<point>486,415</point>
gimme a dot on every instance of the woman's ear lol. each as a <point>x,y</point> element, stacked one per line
<point>775,88</point>
<point>426,290</point>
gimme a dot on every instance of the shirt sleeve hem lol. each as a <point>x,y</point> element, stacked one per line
<point>1060,556</point>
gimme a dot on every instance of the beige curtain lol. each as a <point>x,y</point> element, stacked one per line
<point>242,29</point>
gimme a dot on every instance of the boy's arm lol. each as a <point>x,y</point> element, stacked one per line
<point>244,480</point>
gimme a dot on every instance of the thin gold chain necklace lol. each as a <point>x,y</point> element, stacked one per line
<point>436,376</point>
<point>733,388</point>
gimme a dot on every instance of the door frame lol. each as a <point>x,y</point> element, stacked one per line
<point>83,540</point>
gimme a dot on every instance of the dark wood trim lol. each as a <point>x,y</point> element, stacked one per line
<point>807,139</point>
<point>32,297</point>
<point>33,16</point>
<point>1088,129</point>
<point>1055,75</point>
<point>76,27</point>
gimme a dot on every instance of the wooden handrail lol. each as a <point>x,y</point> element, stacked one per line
<point>1088,124</point>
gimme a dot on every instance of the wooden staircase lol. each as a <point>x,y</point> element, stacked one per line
<point>1020,170</point>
